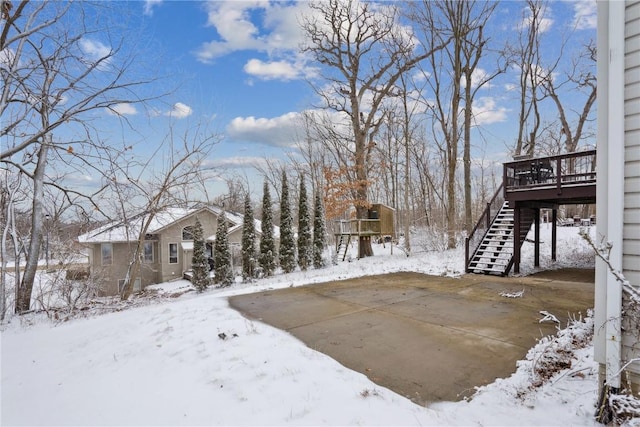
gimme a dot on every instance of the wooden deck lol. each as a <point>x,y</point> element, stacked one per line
<point>554,180</point>
<point>357,227</point>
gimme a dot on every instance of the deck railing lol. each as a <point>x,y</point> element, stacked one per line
<point>554,171</point>
<point>359,227</point>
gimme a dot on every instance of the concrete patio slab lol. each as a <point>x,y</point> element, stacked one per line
<point>427,338</point>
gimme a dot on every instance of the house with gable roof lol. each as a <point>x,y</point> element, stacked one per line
<point>167,246</point>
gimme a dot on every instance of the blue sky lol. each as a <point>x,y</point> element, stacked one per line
<point>236,65</point>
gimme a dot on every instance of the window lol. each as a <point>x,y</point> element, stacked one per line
<point>148,252</point>
<point>173,253</point>
<point>209,250</point>
<point>187,233</point>
<point>106,250</point>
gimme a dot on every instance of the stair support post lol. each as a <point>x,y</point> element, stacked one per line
<point>467,261</point>
<point>554,218</point>
<point>516,239</point>
<point>489,217</point>
<point>536,231</point>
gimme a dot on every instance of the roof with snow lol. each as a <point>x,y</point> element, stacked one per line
<point>128,231</point>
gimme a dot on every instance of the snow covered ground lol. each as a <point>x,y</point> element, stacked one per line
<point>165,363</point>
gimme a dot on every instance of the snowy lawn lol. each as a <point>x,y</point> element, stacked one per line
<point>191,360</point>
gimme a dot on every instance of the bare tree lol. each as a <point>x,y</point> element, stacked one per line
<point>474,17</point>
<point>315,157</point>
<point>11,248</point>
<point>455,78</point>
<point>51,82</point>
<point>526,56</point>
<point>158,189</point>
<point>445,78</point>
<point>580,79</point>
<point>364,51</point>
<point>396,143</point>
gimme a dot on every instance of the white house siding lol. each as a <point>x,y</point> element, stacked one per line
<point>631,216</point>
<point>616,339</point>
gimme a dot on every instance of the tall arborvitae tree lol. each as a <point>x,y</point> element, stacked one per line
<point>304,229</point>
<point>222,254</point>
<point>318,231</point>
<point>267,258</point>
<point>287,241</point>
<point>199,264</point>
<point>248,242</point>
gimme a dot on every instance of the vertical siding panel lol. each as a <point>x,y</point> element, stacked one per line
<point>631,215</point>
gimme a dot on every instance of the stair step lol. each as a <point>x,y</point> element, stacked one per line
<point>494,247</point>
<point>497,265</point>
<point>493,256</point>
<point>500,239</point>
<point>487,270</point>
<point>502,234</point>
<point>490,261</point>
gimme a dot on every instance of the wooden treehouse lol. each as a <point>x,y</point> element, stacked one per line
<point>529,185</point>
<point>380,224</point>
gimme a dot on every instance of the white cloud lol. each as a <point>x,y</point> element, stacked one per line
<point>485,111</point>
<point>538,71</point>
<point>478,76</point>
<point>122,109</point>
<point>236,162</point>
<point>278,131</point>
<point>272,70</point>
<point>179,111</point>
<point>263,26</point>
<point>510,87</point>
<point>544,20</point>
<point>95,50</point>
<point>420,75</point>
<point>232,22</point>
<point>149,5</point>
<point>7,56</point>
<point>585,14</point>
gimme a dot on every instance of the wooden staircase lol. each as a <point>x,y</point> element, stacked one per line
<point>528,186</point>
<point>494,254</point>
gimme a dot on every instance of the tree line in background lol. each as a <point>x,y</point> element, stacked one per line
<point>398,121</point>
<point>411,106</point>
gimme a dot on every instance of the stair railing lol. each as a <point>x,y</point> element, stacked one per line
<point>474,239</point>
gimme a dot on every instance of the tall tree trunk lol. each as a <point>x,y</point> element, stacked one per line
<point>362,192</point>
<point>23,302</point>
<point>407,180</point>
<point>466,158</point>
<point>453,137</point>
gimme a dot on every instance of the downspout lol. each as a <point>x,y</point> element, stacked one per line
<point>615,190</point>
<point>602,179</point>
